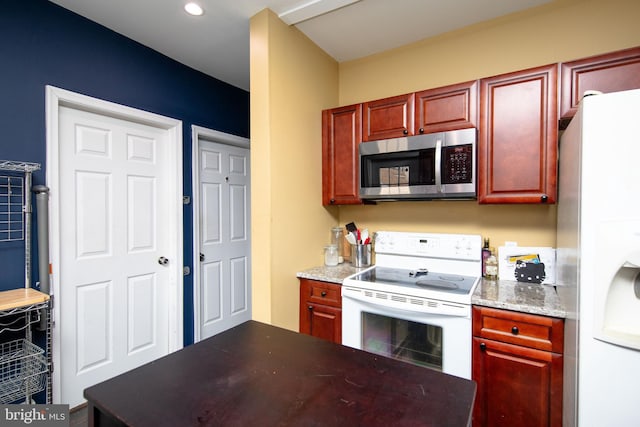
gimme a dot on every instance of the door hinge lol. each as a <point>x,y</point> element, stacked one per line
<point>186,200</point>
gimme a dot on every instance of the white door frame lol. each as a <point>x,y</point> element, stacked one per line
<point>198,132</point>
<point>56,98</point>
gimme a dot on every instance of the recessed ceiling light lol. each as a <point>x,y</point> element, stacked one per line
<point>193,9</point>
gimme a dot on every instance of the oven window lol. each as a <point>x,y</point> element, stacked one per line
<point>416,343</point>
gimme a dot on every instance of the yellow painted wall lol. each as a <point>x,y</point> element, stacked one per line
<point>292,81</point>
<point>561,31</point>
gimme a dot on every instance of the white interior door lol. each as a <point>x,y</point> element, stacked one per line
<point>223,280</point>
<point>119,255</point>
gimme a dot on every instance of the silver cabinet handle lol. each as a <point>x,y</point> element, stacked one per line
<point>163,261</point>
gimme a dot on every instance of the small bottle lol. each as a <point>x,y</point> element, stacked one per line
<point>486,252</point>
<point>492,266</point>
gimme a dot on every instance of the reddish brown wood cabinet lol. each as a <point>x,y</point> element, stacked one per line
<point>517,364</point>
<point>446,108</point>
<point>321,310</point>
<point>517,147</point>
<point>341,134</point>
<point>388,118</point>
<point>613,72</point>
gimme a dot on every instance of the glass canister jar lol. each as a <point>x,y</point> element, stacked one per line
<point>337,238</point>
<point>331,255</point>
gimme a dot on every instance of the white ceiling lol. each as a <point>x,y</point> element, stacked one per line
<point>217,43</point>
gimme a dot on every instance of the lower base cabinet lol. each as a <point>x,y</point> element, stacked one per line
<point>321,310</point>
<point>517,364</point>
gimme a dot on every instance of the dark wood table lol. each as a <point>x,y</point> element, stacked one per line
<point>261,375</point>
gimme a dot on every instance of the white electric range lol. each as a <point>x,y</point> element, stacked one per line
<point>414,304</point>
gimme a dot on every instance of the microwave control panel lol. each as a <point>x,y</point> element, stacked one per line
<point>457,164</point>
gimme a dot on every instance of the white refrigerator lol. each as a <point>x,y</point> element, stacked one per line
<point>598,260</point>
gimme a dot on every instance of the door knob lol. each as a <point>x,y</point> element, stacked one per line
<point>163,261</point>
<point>201,257</point>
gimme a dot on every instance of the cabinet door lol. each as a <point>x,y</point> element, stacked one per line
<point>517,148</point>
<point>341,134</point>
<point>388,118</point>
<point>517,386</point>
<point>612,72</point>
<point>322,321</point>
<point>446,108</point>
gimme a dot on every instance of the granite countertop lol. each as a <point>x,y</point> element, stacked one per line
<point>334,274</point>
<point>505,294</point>
<point>523,297</point>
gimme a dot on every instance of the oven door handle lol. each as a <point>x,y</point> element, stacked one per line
<point>406,304</point>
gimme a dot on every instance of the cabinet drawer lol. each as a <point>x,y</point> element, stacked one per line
<point>313,291</point>
<point>529,330</point>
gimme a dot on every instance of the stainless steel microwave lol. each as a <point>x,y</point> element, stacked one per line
<point>421,167</point>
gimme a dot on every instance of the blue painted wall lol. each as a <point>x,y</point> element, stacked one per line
<point>43,44</point>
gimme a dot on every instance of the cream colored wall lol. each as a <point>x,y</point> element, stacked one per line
<point>292,81</point>
<point>562,31</point>
<point>528,225</point>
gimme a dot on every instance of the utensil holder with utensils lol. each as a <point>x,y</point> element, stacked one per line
<point>361,255</point>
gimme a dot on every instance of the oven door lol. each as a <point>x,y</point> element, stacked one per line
<point>433,340</point>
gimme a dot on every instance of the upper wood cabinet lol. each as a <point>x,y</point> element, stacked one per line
<point>612,72</point>
<point>446,108</point>
<point>388,118</point>
<point>341,134</point>
<point>517,147</point>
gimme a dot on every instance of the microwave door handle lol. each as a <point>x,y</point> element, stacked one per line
<point>438,165</point>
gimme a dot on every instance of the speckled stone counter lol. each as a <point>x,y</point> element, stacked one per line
<point>507,295</point>
<point>329,274</point>
<point>523,297</point>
